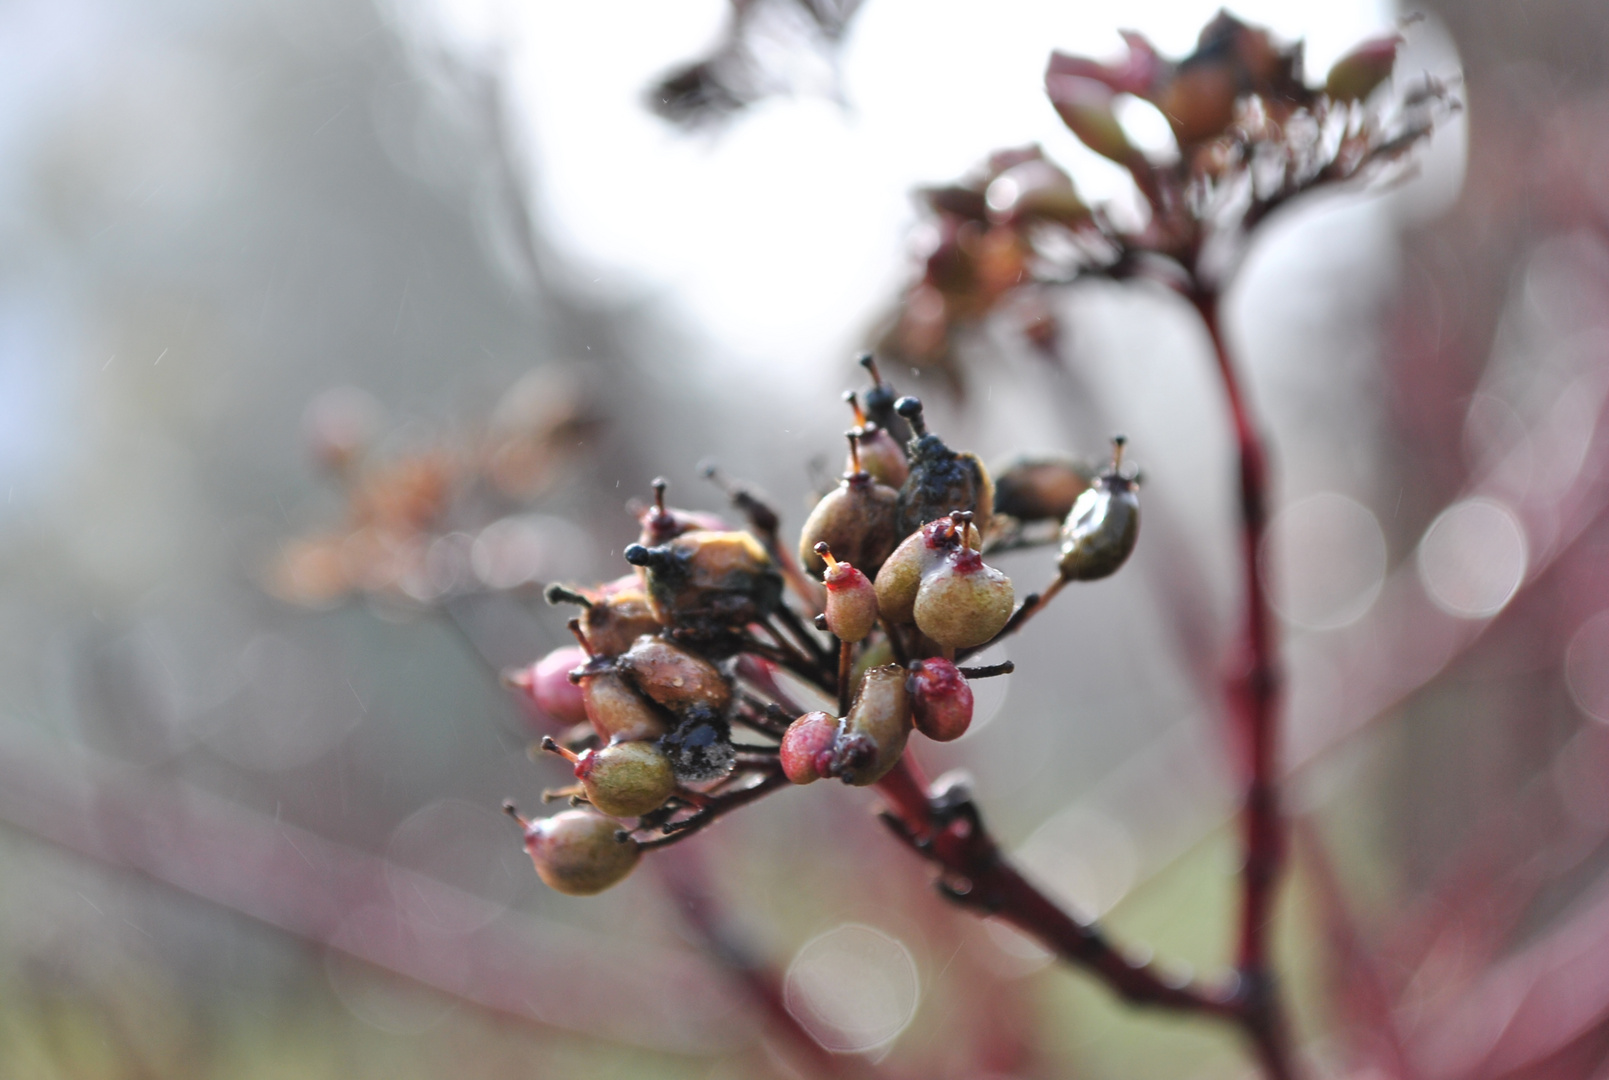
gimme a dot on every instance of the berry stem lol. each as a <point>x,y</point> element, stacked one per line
<point>846,664</point>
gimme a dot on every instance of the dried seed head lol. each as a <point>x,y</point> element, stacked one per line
<point>622,779</point>
<point>708,582</point>
<point>1103,525</point>
<point>674,677</point>
<point>806,750</point>
<point>1041,487</point>
<point>941,699</point>
<point>577,852</point>
<point>851,598</point>
<point>615,708</point>
<point>941,480</point>
<point>962,601</point>
<point>874,733</point>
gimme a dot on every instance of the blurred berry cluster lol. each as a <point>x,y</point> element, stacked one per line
<point>673,706</point>
<point>1248,134</point>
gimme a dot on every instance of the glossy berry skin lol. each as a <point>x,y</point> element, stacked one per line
<point>900,576</point>
<point>851,602</point>
<point>874,733</point>
<point>617,711</point>
<point>941,699</point>
<point>576,852</point>
<point>1101,529</point>
<point>857,519</point>
<point>963,601</point>
<point>626,779</point>
<point>807,746</point>
<point>674,677</point>
<point>547,685</point>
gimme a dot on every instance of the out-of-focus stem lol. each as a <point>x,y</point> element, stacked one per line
<point>689,889</point>
<point>1253,698</point>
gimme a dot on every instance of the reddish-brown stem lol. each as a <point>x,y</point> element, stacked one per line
<point>944,826</point>
<point>1253,695</point>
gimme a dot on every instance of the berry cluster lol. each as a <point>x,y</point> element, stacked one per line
<point>670,711</point>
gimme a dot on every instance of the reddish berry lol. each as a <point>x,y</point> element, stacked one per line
<point>547,685</point>
<point>807,747</point>
<point>851,599</point>
<point>941,699</point>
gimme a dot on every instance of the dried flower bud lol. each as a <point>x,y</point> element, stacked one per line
<point>617,712</point>
<point>1356,75</point>
<point>623,779</point>
<point>941,480</point>
<point>963,601</point>
<point>806,750</point>
<point>674,677</point>
<point>661,523</point>
<point>874,732</point>
<point>547,685</point>
<point>1040,487</point>
<point>709,581</point>
<point>1103,525</point>
<point>857,519</point>
<point>578,852</point>
<point>612,616</point>
<point>851,599</point>
<point>941,699</point>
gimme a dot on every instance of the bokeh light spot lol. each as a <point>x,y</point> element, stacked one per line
<point>1325,563</point>
<point>853,988</point>
<point>1473,558</point>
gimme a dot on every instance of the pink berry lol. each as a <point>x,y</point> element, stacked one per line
<point>546,684</point>
<point>941,699</point>
<point>806,750</point>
